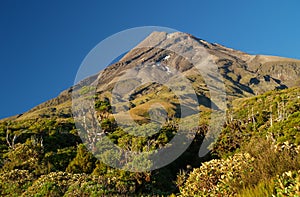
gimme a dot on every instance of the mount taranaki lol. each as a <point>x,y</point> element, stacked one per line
<point>244,75</point>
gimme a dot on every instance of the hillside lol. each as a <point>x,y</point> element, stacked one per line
<point>244,75</point>
<point>257,152</point>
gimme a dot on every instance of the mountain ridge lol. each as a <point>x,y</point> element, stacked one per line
<point>244,74</point>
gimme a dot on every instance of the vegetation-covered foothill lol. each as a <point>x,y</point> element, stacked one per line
<point>256,154</point>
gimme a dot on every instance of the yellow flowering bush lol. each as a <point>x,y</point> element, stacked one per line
<point>287,184</point>
<point>15,182</point>
<point>52,184</point>
<point>214,178</point>
<point>67,184</point>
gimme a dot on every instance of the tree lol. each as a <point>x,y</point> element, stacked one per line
<point>27,156</point>
<point>84,162</point>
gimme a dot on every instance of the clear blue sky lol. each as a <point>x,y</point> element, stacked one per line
<point>42,43</point>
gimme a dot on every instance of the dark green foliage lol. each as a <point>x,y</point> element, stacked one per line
<point>27,156</point>
<point>57,140</point>
<point>59,161</point>
<point>84,162</point>
<point>46,157</point>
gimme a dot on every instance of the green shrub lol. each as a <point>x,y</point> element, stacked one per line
<point>27,156</point>
<point>15,182</point>
<point>269,161</point>
<point>215,177</point>
<point>84,162</point>
<point>288,184</point>
<point>52,184</point>
<point>59,161</point>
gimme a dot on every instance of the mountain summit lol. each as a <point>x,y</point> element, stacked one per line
<point>243,74</point>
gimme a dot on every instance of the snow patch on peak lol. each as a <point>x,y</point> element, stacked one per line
<point>168,69</point>
<point>167,57</point>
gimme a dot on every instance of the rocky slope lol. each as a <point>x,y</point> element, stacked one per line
<point>244,75</point>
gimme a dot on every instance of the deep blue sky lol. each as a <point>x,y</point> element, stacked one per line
<point>42,43</point>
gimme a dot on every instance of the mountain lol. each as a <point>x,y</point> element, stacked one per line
<point>167,78</point>
<point>244,75</point>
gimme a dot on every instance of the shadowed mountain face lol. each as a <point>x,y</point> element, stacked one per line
<point>163,56</point>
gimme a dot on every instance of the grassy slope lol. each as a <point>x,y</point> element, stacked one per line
<point>249,119</point>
